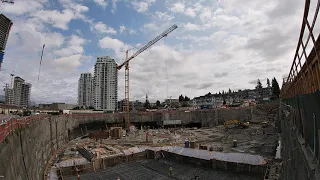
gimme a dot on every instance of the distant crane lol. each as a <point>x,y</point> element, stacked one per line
<point>126,64</point>
<point>12,76</point>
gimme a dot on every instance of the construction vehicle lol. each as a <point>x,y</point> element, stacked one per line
<point>126,64</point>
<point>235,124</point>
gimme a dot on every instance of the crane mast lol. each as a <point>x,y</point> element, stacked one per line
<point>126,64</point>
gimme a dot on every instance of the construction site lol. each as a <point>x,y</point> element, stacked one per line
<point>223,143</point>
<point>147,153</point>
<point>278,139</point>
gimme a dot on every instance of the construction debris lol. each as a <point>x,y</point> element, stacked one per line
<point>241,140</point>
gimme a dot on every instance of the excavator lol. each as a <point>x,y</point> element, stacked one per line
<point>235,124</point>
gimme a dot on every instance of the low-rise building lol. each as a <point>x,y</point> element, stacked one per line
<point>56,106</point>
<point>9,109</point>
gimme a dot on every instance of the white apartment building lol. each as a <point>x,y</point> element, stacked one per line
<point>85,90</point>
<point>21,92</point>
<point>105,82</point>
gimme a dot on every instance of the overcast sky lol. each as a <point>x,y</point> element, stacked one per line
<point>219,44</point>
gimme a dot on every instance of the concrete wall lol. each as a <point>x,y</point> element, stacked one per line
<point>25,152</point>
<point>206,118</point>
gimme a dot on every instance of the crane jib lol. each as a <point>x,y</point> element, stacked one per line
<point>150,43</point>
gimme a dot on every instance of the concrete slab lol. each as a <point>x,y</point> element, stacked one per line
<point>159,170</point>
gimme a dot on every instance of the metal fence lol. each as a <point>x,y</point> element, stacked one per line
<point>300,123</point>
<point>295,162</point>
<point>306,118</point>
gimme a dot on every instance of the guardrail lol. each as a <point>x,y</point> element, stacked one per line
<point>13,124</point>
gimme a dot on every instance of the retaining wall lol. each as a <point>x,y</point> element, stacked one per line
<point>27,144</point>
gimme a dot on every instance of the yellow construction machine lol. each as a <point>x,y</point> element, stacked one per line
<point>235,124</point>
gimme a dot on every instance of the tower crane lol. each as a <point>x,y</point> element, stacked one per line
<point>126,64</point>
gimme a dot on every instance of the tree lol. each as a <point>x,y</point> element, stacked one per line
<point>230,91</point>
<point>181,98</point>
<point>186,98</point>
<point>259,85</point>
<point>147,104</point>
<point>90,107</point>
<point>222,91</point>
<point>185,104</point>
<point>224,102</point>
<point>76,108</point>
<point>275,88</point>
<point>268,82</point>
<point>158,103</point>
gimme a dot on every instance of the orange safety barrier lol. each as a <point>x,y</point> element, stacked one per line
<point>13,124</point>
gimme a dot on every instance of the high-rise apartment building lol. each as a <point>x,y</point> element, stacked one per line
<point>8,95</point>
<point>85,90</point>
<point>21,92</point>
<point>5,26</point>
<point>105,83</point>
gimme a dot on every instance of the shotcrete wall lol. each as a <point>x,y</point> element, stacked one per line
<point>25,151</point>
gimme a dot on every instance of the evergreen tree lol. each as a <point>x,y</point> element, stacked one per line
<point>186,98</point>
<point>147,103</point>
<point>259,85</point>
<point>181,98</point>
<point>268,82</point>
<point>224,102</point>
<point>230,91</point>
<point>275,88</point>
<point>158,103</point>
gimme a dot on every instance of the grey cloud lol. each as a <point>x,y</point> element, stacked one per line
<point>253,81</point>
<point>272,45</point>
<point>204,86</point>
<point>198,86</point>
<point>190,86</point>
<point>285,8</point>
<point>220,75</point>
<point>273,69</point>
